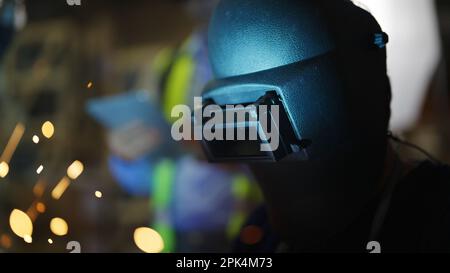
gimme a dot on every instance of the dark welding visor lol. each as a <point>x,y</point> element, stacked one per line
<point>250,148</point>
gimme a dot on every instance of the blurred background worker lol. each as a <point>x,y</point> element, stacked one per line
<point>198,207</point>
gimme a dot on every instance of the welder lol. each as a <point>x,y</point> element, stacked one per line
<point>335,183</point>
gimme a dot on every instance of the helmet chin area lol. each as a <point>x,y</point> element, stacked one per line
<point>312,202</point>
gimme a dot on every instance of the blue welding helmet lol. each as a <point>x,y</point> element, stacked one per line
<point>324,64</point>
<point>294,55</point>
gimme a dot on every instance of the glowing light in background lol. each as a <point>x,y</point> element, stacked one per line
<point>13,142</point>
<point>414,53</point>
<point>20,223</point>
<point>75,170</point>
<point>4,169</point>
<point>60,188</point>
<point>39,188</point>
<point>98,194</point>
<point>89,85</point>
<point>5,241</point>
<point>48,129</point>
<point>251,235</point>
<point>59,226</point>
<point>35,139</point>
<point>50,241</point>
<point>40,207</point>
<point>28,239</point>
<point>148,240</point>
<point>40,169</point>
